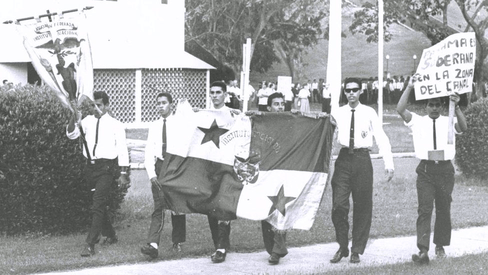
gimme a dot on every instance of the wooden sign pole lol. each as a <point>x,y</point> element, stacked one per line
<point>450,131</point>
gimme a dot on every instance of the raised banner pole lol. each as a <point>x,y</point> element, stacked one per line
<point>246,67</point>
<point>450,129</point>
<point>380,60</point>
<point>334,68</point>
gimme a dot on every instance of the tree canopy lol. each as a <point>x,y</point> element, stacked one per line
<point>423,16</point>
<point>280,30</point>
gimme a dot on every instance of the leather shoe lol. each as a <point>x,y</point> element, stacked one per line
<point>176,247</point>
<point>439,252</point>
<point>218,257</point>
<point>274,259</point>
<point>354,258</point>
<point>421,258</point>
<point>110,240</point>
<point>88,250</point>
<point>341,253</point>
<point>150,251</point>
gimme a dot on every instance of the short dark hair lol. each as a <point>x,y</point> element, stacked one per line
<point>442,100</point>
<point>167,95</point>
<point>219,84</point>
<point>273,96</point>
<point>102,95</point>
<point>352,80</point>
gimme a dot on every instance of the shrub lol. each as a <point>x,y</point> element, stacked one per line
<point>42,189</point>
<point>472,145</point>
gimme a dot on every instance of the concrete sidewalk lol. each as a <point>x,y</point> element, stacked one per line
<point>304,260</point>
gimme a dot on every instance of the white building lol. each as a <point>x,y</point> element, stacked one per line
<point>137,51</point>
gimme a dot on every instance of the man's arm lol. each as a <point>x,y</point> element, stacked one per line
<point>121,146</point>
<point>461,124</point>
<point>149,156</point>
<point>149,152</point>
<point>72,131</point>
<point>122,154</point>
<point>384,145</point>
<point>402,103</point>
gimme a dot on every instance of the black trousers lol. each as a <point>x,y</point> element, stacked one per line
<point>326,105</point>
<point>353,173</point>
<point>435,182</point>
<point>101,175</point>
<point>288,105</point>
<point>220,233</point>
<point>274,241</point>
<point>157,218</point>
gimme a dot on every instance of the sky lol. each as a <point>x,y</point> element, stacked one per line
<point>14,9</point>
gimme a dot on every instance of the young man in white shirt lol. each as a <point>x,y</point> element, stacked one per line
<point>353,173</point>
<point>220,229</point>
<point>107,159</point>
<point>435,172</point>
<point>154,157</point>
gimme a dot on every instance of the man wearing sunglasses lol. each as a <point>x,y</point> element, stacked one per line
<point>353,173</point>
<point>435,172</point>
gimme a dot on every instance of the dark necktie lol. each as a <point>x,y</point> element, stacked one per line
<point>435,139</point>
<point>351,133</point>
<point>96,137</point>
<point>164,136</point>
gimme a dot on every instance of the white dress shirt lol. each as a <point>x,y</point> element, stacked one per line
<point>111,138</point>
<point>315,86</point>
<point>288,95</point>
<point>265,93</point>
<point>366,124</point>
<point>304,93</point>
<point>423,136</point>
<point>154,145</point>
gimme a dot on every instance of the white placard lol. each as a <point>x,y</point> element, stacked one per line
<point>447,67</point>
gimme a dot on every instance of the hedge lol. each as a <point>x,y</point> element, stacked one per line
<point>472,145</point>
<point>42,189</point>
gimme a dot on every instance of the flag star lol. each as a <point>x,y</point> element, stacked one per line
<point>280,201</point>
<point>213,133</point>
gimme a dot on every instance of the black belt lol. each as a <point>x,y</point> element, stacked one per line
<point>435,161</point>
<point>100,161</point>
<point>356,149</point>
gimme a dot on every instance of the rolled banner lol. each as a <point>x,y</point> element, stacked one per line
<point>60,52</point>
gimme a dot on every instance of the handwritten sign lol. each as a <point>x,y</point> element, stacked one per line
<point>447,67</point>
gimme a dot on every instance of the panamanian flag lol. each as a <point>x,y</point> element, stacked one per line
<point>265,167</point>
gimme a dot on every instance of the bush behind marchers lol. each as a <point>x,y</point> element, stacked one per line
<point>472,145</point>
<point>42,189</point>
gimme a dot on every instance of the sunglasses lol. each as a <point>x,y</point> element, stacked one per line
<point>432,105</point>
<point>354,90</point>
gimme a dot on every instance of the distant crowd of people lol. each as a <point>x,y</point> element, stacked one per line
<point>303,94</point>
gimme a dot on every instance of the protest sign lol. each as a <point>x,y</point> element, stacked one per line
<point>447,67</point>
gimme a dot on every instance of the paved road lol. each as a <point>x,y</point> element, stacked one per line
<point>304,260</point>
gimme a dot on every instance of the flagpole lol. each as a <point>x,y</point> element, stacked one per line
<point>334,68</point>
<point>246,65</point>
<point>380,60</point>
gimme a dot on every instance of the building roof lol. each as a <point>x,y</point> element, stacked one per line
<point>123,35</point>
<point>158,60</point>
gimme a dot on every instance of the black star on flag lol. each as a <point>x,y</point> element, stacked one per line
<point>280,201</point>
<point>213,133</point>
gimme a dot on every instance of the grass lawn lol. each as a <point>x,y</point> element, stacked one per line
<point>394,212</point>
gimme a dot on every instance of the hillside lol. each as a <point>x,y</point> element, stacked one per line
<point>359,58</point>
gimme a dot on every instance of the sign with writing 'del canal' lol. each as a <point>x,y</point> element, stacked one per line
<point>447,67</point>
